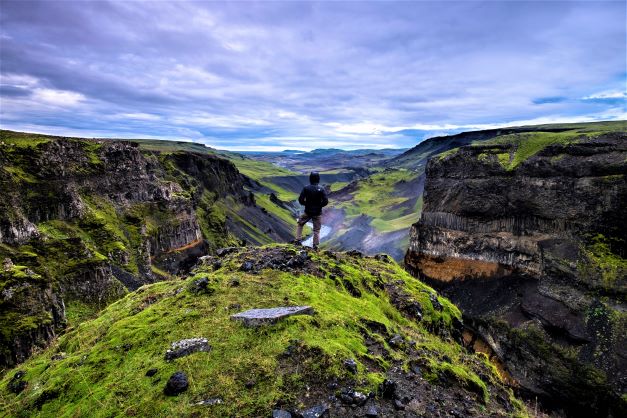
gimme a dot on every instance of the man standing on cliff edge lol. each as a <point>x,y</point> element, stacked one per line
<point>314,198</point>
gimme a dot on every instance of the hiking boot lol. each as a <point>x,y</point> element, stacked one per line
<point>296,242</point>
<point>315,247</point>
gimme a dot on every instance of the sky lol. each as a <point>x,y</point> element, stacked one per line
<point>303,75</point>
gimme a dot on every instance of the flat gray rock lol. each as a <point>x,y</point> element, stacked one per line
<point>186,347</point>
<point>258,317</point>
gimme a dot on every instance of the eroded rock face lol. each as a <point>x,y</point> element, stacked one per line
<point>527,245</point>
<point>93,218</point>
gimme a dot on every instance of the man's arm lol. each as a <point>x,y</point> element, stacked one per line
<point>325,199</point>
<point>301,198</point>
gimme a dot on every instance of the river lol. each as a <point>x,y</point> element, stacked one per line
<point>324,231</point>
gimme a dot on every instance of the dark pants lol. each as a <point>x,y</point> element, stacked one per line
<point>317,223</point>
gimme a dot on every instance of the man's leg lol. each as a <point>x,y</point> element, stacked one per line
<point>317,224</point>
<point>299,229</point>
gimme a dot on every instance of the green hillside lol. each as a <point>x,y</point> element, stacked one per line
<point>366,309</point>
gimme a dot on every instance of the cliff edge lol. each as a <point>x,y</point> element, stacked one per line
<point>526,233</point>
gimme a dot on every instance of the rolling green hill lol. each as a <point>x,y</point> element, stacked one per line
<point>375,329</point>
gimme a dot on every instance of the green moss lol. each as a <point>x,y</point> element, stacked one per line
<point>504,159</point>
<point>338,185</point>
<point>77,311</point>
<point>526,145</point>
<point>106,359</point>
<point>19,174</point>
<point>611,266</point>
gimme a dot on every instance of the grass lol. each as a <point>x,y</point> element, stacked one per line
<point>376,197</point>
<point>105,359</point>
<point>527,145</point>
<point>262,172</point>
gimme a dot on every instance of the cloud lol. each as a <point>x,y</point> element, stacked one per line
<point>300,75</point>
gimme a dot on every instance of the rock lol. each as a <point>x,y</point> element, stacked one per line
<point>382,257</point>
<point>7,264</point>
<point>16,384</point>
<point>258,317</point>
<point>221,252</point>
<point>177,383</point>
<point>351,365</point>
<point>355,253</point>
<point>58,356</point>
<point>435,302</point>
<point>503,237</point>
<point>388,389</point>
<point>398,405</point>
<point>186,347</point>
<point>316,412</point>
<point>151,372</point>
<point>372,411</point>
<point>396,341</point>
<point>201,286</point>
<point>209,402</point>
<point>234,283</point>
<point>352,397</point>
<point>250,384</point>
<point>416,369</point>
<point>280,413</point>
<point>247,266</point>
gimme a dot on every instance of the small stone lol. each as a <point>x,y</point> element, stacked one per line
<point>416,369</point>
<point>398,405</point>
<point>372,411</point>
<point>250,384</point>
<point>351,365</point>
<point>435,302</point>
<point>246,266</point>
<point>280,413</point>
<point>151,372</point>
<point>316,412</point>
<point>186,347</point>
<point>7,264</point>
<point>209,402</point>
<point>177,383</point>
<point>221,252</point>
<point>58,356</point>
<point>217,264</point>
<point>201,286</point>
<point>258,317</point>
<point>234,283</point>
<point>16,384</point>
<point>359,398</point>
<point>396,341</point>
<point>349,396</point>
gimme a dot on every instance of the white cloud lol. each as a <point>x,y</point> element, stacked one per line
<point>608,94</point>
<point>57,97</point>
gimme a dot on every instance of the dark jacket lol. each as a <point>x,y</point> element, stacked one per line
<point>314,198</point>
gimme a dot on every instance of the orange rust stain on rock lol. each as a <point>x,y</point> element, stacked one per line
<point>478,345</point>
<point>446,269</point>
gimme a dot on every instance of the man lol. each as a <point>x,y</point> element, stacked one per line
<point>314,198</point>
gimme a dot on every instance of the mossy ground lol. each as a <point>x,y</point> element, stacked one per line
<point>102,369</point>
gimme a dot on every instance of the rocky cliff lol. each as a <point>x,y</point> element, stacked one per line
<point>526,233</point>
<point>84,221</point>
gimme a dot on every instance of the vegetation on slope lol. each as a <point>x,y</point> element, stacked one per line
<point>99,368</point>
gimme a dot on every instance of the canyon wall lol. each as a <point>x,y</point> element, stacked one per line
<point>527,234</point>
<point>84,221</point>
